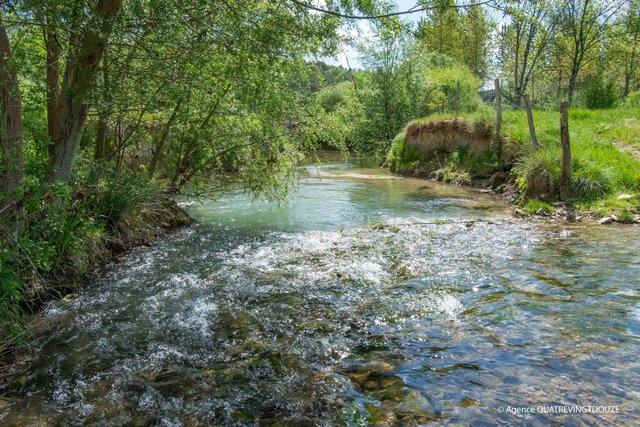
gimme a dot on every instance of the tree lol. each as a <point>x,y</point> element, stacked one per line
<point>460,33</point>
<point>584,24</point>
<point>476,39</point>
<point>11,126</point>
<point>72,99</point>
<point>440,30</point>
<point>626,38</point>
<point>525,40</point>
<point>388,99</point>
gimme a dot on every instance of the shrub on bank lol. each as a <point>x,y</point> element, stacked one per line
<point>632,100</point>
<point>61,232</point>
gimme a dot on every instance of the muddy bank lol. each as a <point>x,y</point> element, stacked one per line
<point>448,135</point>
<point>454,151</point>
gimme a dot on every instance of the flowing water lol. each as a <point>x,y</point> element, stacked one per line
<point>364,300</point>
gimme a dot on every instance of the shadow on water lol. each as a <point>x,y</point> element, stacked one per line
<point>353,304</point>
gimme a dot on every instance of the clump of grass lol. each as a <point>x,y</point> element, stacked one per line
<point>626,217</point>
<point>535,206</point>
<point>538,172</point>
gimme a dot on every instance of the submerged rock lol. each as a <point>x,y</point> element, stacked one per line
<point>606,220</point>
<point>414,406</point>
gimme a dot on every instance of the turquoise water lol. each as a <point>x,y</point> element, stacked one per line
<point>365,300</point>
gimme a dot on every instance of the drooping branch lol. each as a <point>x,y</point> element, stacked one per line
<point>414,9</point>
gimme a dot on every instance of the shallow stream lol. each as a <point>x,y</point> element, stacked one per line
<point>364,300</point>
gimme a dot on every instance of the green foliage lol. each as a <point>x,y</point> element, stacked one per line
<point>463,34</point>
<point>335,112</point>
<point>56,228</point>
<point>535,206</point>
<point>10,298</point>
<point>444,84</point>
<point>461,165</point>
<point>396,152</point>
<point>108,194</point>
<point>599,94</point>
<point>632,100</point>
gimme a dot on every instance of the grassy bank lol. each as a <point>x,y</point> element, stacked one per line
<point>59,234</point>
<point>603,168</point>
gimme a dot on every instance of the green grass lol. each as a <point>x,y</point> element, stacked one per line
<point>533,206</point>
<point>600,169</point>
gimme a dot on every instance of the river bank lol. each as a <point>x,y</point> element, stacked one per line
<point>604,182</point>
<point>137,227</point>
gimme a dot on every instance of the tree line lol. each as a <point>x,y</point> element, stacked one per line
<point>184,90</point>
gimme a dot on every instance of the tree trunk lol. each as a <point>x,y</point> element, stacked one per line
<point>499,119</point>
<point>104,114</point>
<point>532,129</point>
<point>572,86</point>
<point>566,151</point>
<point>54,109</point>
<point>81,69</point>
<point>11,126</point>
<point>159,145</point>
<point>101,137</point>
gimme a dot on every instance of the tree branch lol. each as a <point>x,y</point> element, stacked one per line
<point>414,9</point>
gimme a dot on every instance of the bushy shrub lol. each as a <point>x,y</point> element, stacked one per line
<point>599,94</point>
<point>632,100</point>
<point>108,194</point>
<point>60,228</point>
<point>538,172</point>
<point>396,152</point>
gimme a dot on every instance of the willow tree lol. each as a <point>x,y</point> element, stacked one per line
<point>11,126</point>
<point>70,103</point>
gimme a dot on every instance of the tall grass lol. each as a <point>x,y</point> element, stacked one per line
<point>598,166</point>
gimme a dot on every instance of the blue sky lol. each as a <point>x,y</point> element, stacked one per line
<point>352,55</point>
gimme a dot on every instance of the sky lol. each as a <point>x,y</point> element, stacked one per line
<point>351,55</point>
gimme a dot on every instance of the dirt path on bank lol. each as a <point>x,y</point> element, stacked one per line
<point>633,151</point>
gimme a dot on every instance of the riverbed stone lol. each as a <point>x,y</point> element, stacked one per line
<point>414,406</point>
<point>606,220</point>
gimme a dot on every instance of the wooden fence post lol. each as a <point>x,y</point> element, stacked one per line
<point>532,129</point>
<point>566,150</point>
<point>498,118</point>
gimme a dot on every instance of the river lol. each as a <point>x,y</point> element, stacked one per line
<point>364,300</point>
